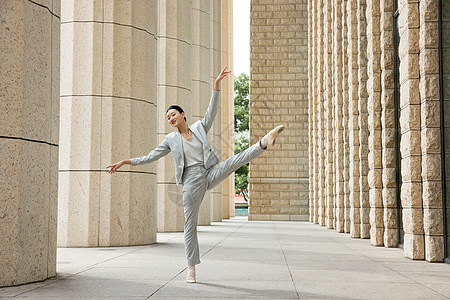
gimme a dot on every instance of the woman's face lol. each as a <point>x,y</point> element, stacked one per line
<point>174,117</point>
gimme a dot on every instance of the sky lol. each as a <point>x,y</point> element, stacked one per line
<point>241,37</point>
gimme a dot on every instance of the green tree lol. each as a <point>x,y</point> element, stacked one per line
<point>241,134</point>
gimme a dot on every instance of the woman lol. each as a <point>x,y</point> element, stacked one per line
<point>197,166</point>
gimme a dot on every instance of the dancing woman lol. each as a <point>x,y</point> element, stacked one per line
<point>197,167</point>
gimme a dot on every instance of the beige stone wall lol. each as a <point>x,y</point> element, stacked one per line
<point>278,95</point>
<point>108,113</point>
<point>446,112</point>
<point>29,139</point>
<point>359,87</point>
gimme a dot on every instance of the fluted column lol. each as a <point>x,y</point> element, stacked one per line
<point>227,95</point>
<point>216,130</point>
<point>108,113</point>
<point>374,115</point>
<point>411,161</point>
<point>29,118</point>
<point>430,131</point>
<point>174,87</point>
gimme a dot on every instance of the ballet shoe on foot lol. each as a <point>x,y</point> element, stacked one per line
<point>269,139</point>
<point>190,278</point>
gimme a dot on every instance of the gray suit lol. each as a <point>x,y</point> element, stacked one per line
<point>173,142</point>
<point>198,179</point>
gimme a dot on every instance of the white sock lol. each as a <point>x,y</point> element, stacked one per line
<point>191,271</point>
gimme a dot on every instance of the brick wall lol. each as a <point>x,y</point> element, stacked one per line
<point>279,95</point>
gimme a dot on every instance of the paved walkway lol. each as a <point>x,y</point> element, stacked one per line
<point>244,260</point>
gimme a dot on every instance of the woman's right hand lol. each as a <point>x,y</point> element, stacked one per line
<point>113,168</point>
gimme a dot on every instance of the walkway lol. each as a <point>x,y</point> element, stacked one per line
<point>243,260</point>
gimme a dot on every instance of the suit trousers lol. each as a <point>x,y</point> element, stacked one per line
<point>196,181</point>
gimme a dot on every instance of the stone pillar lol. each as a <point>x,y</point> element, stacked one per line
<point>201,85</point>
<point>311,116</point>
<point>338,117</point>
<point>328,110</point>
<point>374,115</point>
<point>278,85</point>
<point>345,117</point>
<point>353,112</point>
<point>108,113</point>
<point>430,131</point>
<point>174,87</point>
<point>362,120</point>
<point>227,94</point>
<point>321,115</point>
<point>388,120</point>
<point>411,191</point>
<point>29,114</point>
<point>216,130</point>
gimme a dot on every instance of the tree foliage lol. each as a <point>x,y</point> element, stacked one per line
<point>241,136</point>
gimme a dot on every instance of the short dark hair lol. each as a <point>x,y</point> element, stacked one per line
<point>176,107</point>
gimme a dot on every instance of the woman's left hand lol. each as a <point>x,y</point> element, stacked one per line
<point>220,77</point>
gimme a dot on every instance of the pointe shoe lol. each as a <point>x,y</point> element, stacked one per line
<point>190,278</point>
<point>269,139</point>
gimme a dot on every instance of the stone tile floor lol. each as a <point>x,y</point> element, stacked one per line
<point>243,260</point>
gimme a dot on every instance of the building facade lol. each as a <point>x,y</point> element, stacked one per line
<point>377,124</point>
<point>89,81</point>
<point>377,96</point>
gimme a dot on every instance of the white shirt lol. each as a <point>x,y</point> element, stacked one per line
<point>193,152</point>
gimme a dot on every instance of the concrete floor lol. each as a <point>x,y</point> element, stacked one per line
<point>244,260</point>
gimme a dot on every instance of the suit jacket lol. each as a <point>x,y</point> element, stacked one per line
<point>173,142</point>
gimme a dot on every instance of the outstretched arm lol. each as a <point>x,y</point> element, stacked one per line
<point>214,102</point>
<point>160,151</point>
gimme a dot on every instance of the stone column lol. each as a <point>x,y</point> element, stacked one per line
<point>201,77</point>
<point>321,116</point>
<point>174,87</point>
<point>29,114</point>
<point>227,94</point>
<point>316,123</point>
<point>108,113</point>
<point>362,120</point>
<point>430,131</point>
<point>411,191</point>
<point>328,109</point>
<point>353,112</point>
<point>388,120</point>
<point>374,115</point>
<point>311,116</point>
<point>338,117</point>
<point>216,130</point>
<point>345,117</point>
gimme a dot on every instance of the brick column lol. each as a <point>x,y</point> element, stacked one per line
<point>411,161</point>
<point>338,116</point>
<point>29,139</point>
<point>374,115</point>
<point>363,120</point>
<point>430,131</point>
<point>353,112</point>
<point>278,84</point>
<point>389,193</point>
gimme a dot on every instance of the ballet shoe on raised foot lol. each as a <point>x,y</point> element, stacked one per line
<point>269,139</point>
<point>190,277</point>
